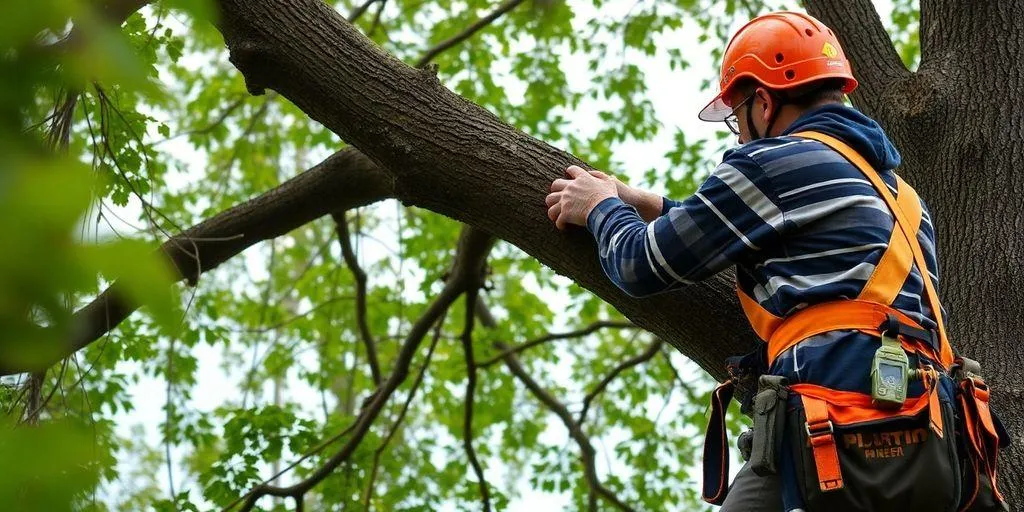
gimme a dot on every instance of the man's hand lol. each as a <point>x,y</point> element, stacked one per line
<point>648,204</point>
<point>571,200</point>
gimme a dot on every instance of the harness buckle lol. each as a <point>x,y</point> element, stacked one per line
<point>819,429</point>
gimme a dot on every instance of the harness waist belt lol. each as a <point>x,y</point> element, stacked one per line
<point>869,317</point>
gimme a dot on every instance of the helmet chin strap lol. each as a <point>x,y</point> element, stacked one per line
<point>771,122</point>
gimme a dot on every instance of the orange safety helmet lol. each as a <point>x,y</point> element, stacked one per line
<point>781,50</point>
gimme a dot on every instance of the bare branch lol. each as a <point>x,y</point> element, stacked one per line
<point>341,228</point>
<point>467,420</point>
<point>867,44</point>
<point>401,415</point>
<point>219,120</point>
<point>35,397</point>
<point>467,271</point>
<point>376,18</point>
<point>468,32</point>
<point>358,11</point>
<point>651,351</point>
<point>575,431</point>
<point>590,329</point>
<point>58,135</point>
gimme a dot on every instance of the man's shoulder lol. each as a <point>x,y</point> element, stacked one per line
<point>771,148</point>
<point>778,155</point>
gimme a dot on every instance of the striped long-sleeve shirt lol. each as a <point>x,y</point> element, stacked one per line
<point>800,224</point>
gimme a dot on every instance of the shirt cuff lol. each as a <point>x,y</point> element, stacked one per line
<point>667,204</point>
<point>605,210</point>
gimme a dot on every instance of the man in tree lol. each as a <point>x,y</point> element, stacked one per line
<point>801,224</point>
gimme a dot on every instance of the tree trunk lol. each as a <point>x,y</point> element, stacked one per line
<point>455,158</point>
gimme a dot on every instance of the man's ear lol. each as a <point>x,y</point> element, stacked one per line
<point>768,105</point>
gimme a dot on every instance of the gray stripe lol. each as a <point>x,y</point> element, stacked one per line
<point>824,184</point>
<point>830,252</point>
<point>807,214</point>
<point>653,243</point>
<point>750,194</point>
<point>727,222</point>
<point>780,146</point>
<point>760,294</point>
<point>861,271</point>
<point>650,263</point>
<point>805,158</point>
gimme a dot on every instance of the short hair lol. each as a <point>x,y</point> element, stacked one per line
<point>820,91</point>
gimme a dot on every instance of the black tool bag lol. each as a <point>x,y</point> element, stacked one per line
<point>865,459</point>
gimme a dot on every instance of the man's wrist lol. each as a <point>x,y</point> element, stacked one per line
<point>599,199</point>
<point>648,205</point>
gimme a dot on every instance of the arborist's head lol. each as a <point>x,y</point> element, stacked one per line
<point>776,67</point>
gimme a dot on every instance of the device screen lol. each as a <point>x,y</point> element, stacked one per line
<point>891,375</point>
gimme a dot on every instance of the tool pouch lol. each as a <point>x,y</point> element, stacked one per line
<point>980,435</point>
<point>851,456</point>
<point>769,423</point>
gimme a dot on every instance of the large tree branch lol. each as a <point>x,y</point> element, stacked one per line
<point>298,198</point>
<point>868,46</point>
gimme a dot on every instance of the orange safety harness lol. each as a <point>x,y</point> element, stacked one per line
<point>871,312</point>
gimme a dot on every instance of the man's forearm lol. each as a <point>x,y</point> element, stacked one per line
<point>647,204</point>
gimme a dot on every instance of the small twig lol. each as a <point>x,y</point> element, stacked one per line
<point>358,11</point>
<point>647,355</point>
<point>467,420</point>
<point>467,33</point>
<point>59,134</point>
<point>298,316</point>
<point>249,128</point>
<point>474,245</point>
<point>167,420</point>
<point>590,329</point>
<point>313,451</point>
<point>376,19</point>
<point>401,415</point>
<point>341,228</point>
<point>35,393</point>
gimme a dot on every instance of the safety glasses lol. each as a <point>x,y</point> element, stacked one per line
<point>732,121</point>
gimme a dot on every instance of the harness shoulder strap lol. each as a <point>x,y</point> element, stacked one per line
<point>902,212</point>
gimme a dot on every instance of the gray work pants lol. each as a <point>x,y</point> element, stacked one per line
<point>752,493</point>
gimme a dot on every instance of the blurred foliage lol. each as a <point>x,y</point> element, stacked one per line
<point>115,137</point>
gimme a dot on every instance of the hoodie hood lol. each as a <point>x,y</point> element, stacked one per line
<point>857,130</point>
